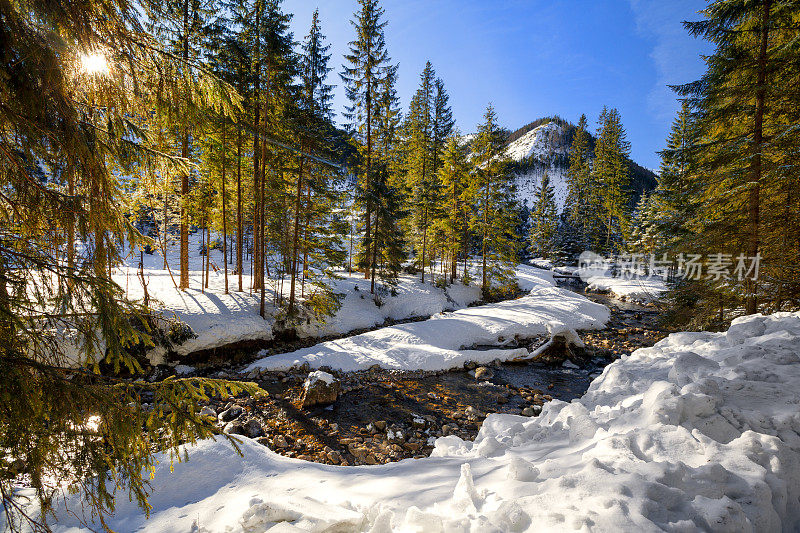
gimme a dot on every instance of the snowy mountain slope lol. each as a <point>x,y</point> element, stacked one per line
<point>542,147</point>
<point>542,142</point>
<point>542,150</point>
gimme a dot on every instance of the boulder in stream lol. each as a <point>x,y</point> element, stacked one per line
<point>320,388</point>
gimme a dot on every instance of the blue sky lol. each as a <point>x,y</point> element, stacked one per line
<point>534,58</point>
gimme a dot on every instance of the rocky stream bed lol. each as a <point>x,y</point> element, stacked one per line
<point>381,416</point>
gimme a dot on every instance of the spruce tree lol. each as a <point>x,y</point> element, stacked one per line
<point>317,241</point>
<point>742,170</point>
<point>491,193</point>
<point>611,173</point>
<point>421,179</point>
<point>69,421</point>
<point>544,221</point>
<point>582,191</point>
<point>366,69</point>
<point>388,249</point>
<point>454,178</point>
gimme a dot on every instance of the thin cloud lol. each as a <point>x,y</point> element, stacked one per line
<point>676,54</point>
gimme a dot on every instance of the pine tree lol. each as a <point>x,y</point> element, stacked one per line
<point>492,196</point>
<point>645,232</point>
<point>675,197</point>
<point>62,151</point>
<point>742,170</point>
<point>421,179</point>
<point>454,178</point>
<point>368,62</point>
<point>443,123</point>
<point>611,173</point>
<point>581,190</point>
<point>544,221</point>
<point>317,232</point>
<point>182,25</point>
<point>389,206</point>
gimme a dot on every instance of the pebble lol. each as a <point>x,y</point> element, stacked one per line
<point>230,414</point>
<point>334,457</point>
<point>473,413</point>
<point>483,372</point>
<point>234,428</point>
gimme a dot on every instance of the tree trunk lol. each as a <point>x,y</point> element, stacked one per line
<point>239,236</point>
<point>224,213</point>
<point>754,215</point>
<point>424,239</point>
<point>368,189</point>
<point>184,284</point>
<point>295,235</point>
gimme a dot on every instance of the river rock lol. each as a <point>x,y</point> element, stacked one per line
<point>234,427</point>
<point>254,428</point>
<point>334,457</point>
<point>208,411</point>
<point>320,388</point>
<point>483,372</point>
<point>232,413</point>
<point>280,442</point>
<point>473,413</point>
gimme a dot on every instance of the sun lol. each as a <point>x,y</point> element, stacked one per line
<point>95,63</point>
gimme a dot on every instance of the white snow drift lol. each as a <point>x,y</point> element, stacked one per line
<point>699,432</point>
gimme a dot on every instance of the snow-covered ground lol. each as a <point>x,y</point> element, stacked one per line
<point>643,289</point>
<point>699,432</point>
<point>439,343</point>
<point>219,319</point>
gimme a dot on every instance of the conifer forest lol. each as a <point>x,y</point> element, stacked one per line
<point>253,278</point>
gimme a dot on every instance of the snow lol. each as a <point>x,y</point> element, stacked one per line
<point>443,341</point>
<point>413,299</point>
<point>219,319</point>
<point>538,146</point>
<point>634,288</point>
<point>318,375</point>
<point>537,143</point>
<point>699,432</point>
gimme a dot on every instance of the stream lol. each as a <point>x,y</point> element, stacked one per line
<point>384,416</point>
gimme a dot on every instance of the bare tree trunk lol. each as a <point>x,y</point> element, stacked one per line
<point>484,286</point>
<point>295,235</point>
<point>224,213</point>
<point>368,187</point>
<point>306,241</point>
<point>239,236</point>
<point>184,283</point>
<point>754,215</point>
<point>71,222</point>
<point>424,239</point>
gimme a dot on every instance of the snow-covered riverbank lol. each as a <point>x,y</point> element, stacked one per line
<point>700,431</point>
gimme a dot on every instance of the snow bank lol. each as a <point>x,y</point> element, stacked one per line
<point>220,319</point>
<point>700,431</point>
<point>412,299</point>
<point>641,289</point>
<point>440,342</point>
